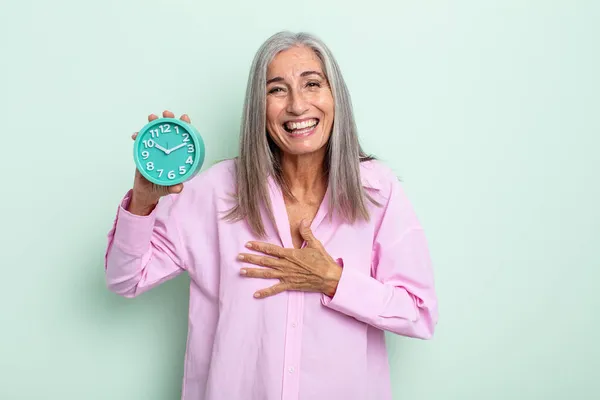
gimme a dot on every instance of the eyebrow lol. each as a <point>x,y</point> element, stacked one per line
<point>305,73</point>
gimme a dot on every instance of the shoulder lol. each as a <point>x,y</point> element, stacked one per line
<point>213,183</point>
<point>221,174</point>
<point>378,176</point>
<point>385,186</point>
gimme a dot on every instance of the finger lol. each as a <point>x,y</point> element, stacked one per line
<point>307,235</point>
<point>264,261</point>
<point>152,117</point>
<point>264,273</point>
<point>160,190</point>
<point>168,114</point>
<point>185,118</point>
<point>268,248</point>
<point>175,188</point>
<point>271,291</point>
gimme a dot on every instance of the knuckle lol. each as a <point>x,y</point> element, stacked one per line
<point>266,261</point>
<point>297,280</point>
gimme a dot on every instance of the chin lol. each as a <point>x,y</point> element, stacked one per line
<point>303,147</point>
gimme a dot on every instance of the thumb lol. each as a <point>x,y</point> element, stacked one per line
<point>307,234</point>
<point>161,190</point>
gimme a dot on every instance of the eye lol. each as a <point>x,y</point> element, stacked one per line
<point>313,84</point>
<point>275,90</point>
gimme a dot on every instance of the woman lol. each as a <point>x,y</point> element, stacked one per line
<point>301,252</point>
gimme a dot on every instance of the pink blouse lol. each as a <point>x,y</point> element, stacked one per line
<point>294,345</point>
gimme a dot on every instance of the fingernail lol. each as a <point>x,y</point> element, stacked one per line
<point>240,257</point>
<point>257,294</point>
<point>249,245</point>
<point>243,272</point>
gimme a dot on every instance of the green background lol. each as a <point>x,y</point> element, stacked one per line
<point>488,110</point>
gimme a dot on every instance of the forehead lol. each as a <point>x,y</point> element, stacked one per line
<point>294,61</point>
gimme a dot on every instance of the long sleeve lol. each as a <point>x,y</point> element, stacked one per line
<point>143,251</point>
<point>399,295</point>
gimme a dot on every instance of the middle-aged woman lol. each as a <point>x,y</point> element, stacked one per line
<point>301,251</point>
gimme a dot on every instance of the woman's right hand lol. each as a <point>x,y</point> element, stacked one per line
<point>145,194</point>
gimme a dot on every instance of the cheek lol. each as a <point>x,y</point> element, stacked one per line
<point>271,121</point>
<point>273,113</point>
<point>326,105</point>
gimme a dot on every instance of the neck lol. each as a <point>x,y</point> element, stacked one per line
<point>305,175</point>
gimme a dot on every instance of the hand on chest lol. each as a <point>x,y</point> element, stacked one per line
<point>296,213</point>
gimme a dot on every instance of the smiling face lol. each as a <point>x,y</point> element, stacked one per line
<point>300,106</point>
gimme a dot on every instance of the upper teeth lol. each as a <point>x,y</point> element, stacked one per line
<point>301,125</point>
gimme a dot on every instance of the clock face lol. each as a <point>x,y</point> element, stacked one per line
<point>168,151</point>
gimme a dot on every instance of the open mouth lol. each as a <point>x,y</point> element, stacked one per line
<point>302,127</point>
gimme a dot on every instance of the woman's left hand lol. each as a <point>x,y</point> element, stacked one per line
<point>310,269</point>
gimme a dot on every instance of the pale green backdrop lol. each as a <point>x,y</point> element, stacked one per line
<point>488,110</point>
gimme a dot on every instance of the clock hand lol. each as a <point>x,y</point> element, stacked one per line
<point>158,146</point>
<point>176,147</point>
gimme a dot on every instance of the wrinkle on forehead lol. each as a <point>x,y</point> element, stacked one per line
<point>293,62</point>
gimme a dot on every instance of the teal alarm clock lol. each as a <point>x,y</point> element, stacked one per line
<point>168,151</point>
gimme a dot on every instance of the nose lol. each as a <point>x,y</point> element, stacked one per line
<point>297,103</point>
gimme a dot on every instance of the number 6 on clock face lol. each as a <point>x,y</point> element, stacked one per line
<point>168,151</point>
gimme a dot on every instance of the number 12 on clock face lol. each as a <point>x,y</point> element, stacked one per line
<point>168,151</point>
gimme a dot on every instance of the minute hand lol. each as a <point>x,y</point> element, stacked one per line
<point>175,148</point>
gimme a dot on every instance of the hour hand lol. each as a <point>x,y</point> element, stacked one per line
<point>158,146</point>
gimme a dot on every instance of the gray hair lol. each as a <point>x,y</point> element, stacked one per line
<point>259,156</point>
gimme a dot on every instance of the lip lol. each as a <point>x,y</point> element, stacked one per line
<point>298,120</point>
<point>304,134</point>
